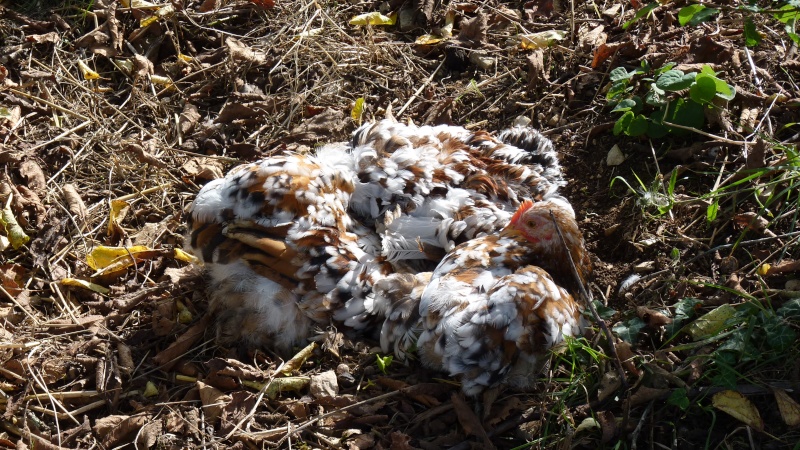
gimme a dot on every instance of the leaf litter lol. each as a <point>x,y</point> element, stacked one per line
<point>112,118</point>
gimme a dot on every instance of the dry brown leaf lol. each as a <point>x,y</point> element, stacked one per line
<point>789,408</point>
<point>537,74</point>
<point>653,318</point>
<point>115,429</point>
<point>646,394</point>
<point>119,209</point>
<point>753,221</point>
<point>203,168</point>
<point>143,156</point>
<point>603,52</point>
<point>34,176</point>
<point>170,355</point>
<point>506,408</point>
<point>11,278</point>
<point>608,385</point>
<point>400,441</point>
<point>47,38</point>
<point>209,5</point>
<point>474,30</point>
<point>783,267</point>
<point>241,53</point>
<point>142,67</point>
<point>591,38</point>
<point>213,401</point>
<point>75,204</point>
<point>469,421</point>
<point>149,434</point>
<point>188,119</point>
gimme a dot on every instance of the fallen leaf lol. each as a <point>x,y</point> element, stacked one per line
<point>203,168</point>
<point>474,30</point>
<point>711,323</point>
<point>118,211</point>
<point>542,39</point>
<point>469,421</point>
<point>88,73</point>
<point>213,401</point>
<point>75,204</point>
<point>651,317</point>
<point>374,18</point>
<point>298,359</point>
<point>85,284</point>
<point>33,174</point>
<point>790,409</point>
<point>11,278</point>
<point>358,110</point>
<point>242,53</point>
<point>16,235</point>
<point>738,406</point>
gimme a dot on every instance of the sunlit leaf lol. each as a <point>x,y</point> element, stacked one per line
<point>87,72</point>
<point>543,39</point>
<point>85,284</point>
<point>103,257</point>
<point>751,35</point>
<point>374,18</point>
<point>703,90</point>
<point>16,235</point>
<point>428,39</point>
<point>738,406</point>
<point>358,110</point>
<point>298,359</point>
<point>181,255</point>
<point>117,212</point>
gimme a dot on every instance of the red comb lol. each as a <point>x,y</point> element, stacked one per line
<point>526,205</point>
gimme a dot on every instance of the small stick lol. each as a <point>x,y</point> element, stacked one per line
<point>589,299</point>
<point>419,90</point>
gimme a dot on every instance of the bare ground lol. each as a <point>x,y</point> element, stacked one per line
<point>111,119</point>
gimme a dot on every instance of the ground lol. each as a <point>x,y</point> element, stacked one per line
<point>112,116</point>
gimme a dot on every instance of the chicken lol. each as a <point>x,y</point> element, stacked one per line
<point>496,304</point>
<point>297,241</point>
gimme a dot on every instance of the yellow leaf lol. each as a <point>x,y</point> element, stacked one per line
<point>16,235</point>
<point>162,80</point>
<point>149,20</point>
<point>103,257</point>
<point>449,20</point>
<point>278,385</point>
<point>119,208</point>
<point>542,39</point>
<point>150,390</point>
<point>428,39</point>
<point>738,406</point>
<point>790,409</point>
<point>185,58</point>
<point>85,284</point>
<point>763,269</point>
<point>358,110</point>
<point>88,73</point>
<point>181,255</point>
<point>297,360</point>
<point>374,18</point>
<point>711,323</point>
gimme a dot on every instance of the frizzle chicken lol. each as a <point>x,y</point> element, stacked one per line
<point>296,241</point>
<point>494,305</point>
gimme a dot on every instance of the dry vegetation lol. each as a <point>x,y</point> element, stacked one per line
<point>112,117</point>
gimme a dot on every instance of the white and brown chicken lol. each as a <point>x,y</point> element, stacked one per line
<point>435,238</point>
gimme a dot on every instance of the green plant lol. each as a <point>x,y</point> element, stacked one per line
<point>662,103</point>
<point>654,197</point>
<point>384,362</point>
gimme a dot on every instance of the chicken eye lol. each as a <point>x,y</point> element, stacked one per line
<point>531,224</point>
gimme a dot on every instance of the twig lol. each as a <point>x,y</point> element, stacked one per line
<point>419,90</point>
<point>708,135</point>
<point>611,342</point>
<point>326,415</point>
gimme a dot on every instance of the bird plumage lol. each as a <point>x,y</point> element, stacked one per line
<point>408,233</point>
